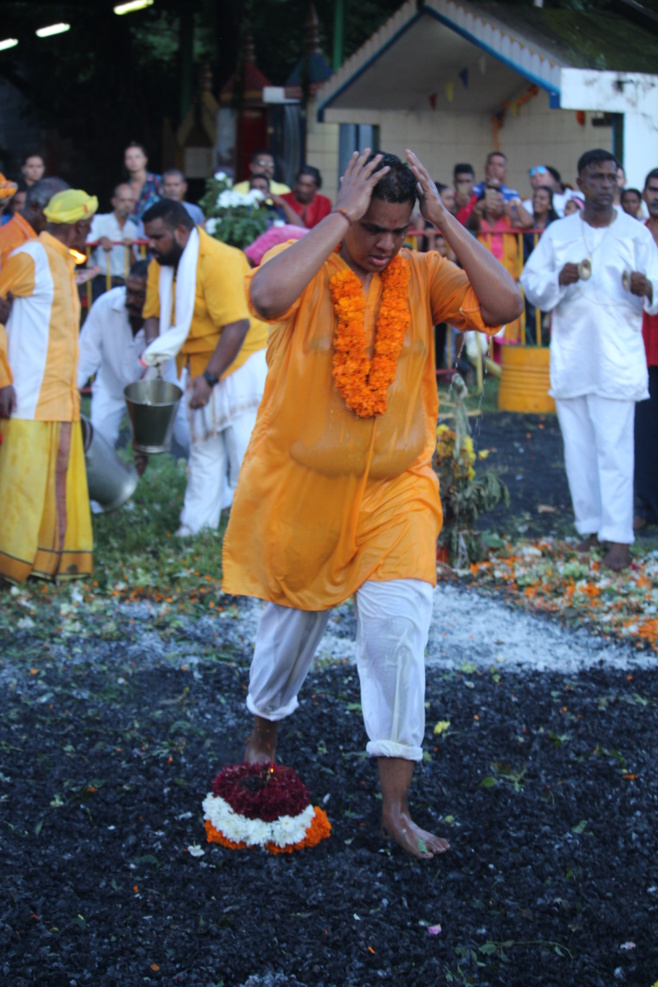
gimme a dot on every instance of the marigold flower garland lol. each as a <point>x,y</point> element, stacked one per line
<point>262,805</point>
<point>362,383</point>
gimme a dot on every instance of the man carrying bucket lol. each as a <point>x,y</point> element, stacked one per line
<point>205,323</point>
<point>46,523</point>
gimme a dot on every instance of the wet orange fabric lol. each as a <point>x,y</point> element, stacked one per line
<point>327,500</point>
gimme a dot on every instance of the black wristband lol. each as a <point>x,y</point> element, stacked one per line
<point>209,378</point>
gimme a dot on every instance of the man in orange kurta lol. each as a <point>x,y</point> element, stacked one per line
<point>337,495</point>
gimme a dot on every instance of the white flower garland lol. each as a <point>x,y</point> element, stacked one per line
<point>283,831</point>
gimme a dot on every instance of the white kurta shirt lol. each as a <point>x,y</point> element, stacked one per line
<point>108,347</point>
<point>106,224</point>
<point>596,326</point>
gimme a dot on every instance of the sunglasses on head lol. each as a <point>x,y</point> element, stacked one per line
<point>539,170</point>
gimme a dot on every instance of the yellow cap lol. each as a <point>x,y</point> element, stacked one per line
<point>7,188</point>
<point>70,206</point>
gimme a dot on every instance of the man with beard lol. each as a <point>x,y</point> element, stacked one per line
<point>46,524</point>
<point>646,412</point>
<point>202,319</point>
<point>337,495</point>
<point>305,199</point>
<point>596,271</point>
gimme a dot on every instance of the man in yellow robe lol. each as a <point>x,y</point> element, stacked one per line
<point>337,495</point>
<point>46,523</point>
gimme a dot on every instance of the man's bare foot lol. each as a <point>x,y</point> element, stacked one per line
<point>587,544</point>
<point>400,827</point>
<point>395,775</point>
<point>618,558</point>
<point>261,746</point>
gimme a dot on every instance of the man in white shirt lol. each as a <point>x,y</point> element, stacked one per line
<point>596,271</point>
<point>115,233</point>
<point>111,344</point>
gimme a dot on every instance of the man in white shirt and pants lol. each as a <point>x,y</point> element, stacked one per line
<point>595,271</point>
<point>115,232</point>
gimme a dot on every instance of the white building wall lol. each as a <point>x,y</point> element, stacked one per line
<point>322,150</point>
<point>536,135</point>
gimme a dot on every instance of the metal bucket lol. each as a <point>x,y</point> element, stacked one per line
<point>111,482</point>
<point>152,406</point>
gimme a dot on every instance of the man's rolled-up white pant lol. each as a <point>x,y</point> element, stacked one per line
<point>393,620</point>
<point>599,457</point>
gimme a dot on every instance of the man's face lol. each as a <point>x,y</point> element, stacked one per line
<point>261,184</point>
<point>33,169</point>
<point>374,240</point>
<point>134,159</point>
<point>264,164</point>
<point>81,232</point>
<point>174,187</point>
<point>123,202</point>
<point>135,297</point>
<point>305,188</point>
<point>539,176</point>
<point>651,197</point>
<point>166,245</point>
<point>598,182</point>
<point>496,168</point>
<point>464,182</point>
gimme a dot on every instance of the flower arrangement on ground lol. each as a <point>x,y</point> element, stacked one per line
<point>465,496</point>
<point>235,218</point>
<point>262,805</point>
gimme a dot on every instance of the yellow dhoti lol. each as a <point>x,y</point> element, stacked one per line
<point>45,522</point>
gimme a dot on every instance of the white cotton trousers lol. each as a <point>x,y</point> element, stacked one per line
<point>599,457</point>
<point>212,461</point>
<point>393,620</point>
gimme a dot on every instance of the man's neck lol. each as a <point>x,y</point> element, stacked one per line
<point>598,217</point>
<point>121,220</point>
<point>135,324</point>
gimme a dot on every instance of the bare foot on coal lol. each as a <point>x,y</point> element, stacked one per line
<point>261,746</point>
<point>587,544</point>
<point>400,827</point>
<point>618,558</point>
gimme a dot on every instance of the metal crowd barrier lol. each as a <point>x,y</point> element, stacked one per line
<point>128,260</point>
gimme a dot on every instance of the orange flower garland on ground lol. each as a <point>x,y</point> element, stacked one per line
<point>362,383</point>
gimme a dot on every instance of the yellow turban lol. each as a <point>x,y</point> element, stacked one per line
<point>7,188</point>
<point>70,206</point>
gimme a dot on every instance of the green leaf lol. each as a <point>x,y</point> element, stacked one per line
<point>580,827</point>
<point>488,782</point>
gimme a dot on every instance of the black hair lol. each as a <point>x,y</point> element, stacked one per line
<point>551,209</point>
<point>137,144</point>
<point>440,187</point>
<point>496,154</point>
<point>594,157</point>
<point>635,191</point>
<point>171,213</point>
<point>312,173</point>
<point>399,184</point>
<point>263,150</point>
<point>652,174</point>
<point>462,169</point>
<point>260,175</point>
<point>139,269</point>
<point>42,191</point>
<point>554,173</point>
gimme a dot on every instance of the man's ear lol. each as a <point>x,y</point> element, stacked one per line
<point>181,235</point>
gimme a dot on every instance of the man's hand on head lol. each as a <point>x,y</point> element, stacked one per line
<point>568,274</point>
<point>7,401</point>
<point>357,184</point>
<point>431,206</point>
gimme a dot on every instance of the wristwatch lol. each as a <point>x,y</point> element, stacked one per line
<point>209,378</point>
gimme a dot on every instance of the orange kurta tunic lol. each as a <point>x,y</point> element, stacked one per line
<point>327,500</point>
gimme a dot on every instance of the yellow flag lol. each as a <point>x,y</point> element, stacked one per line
<point>449,90</point>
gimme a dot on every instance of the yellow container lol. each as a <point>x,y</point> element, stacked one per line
<point>525,381</point>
